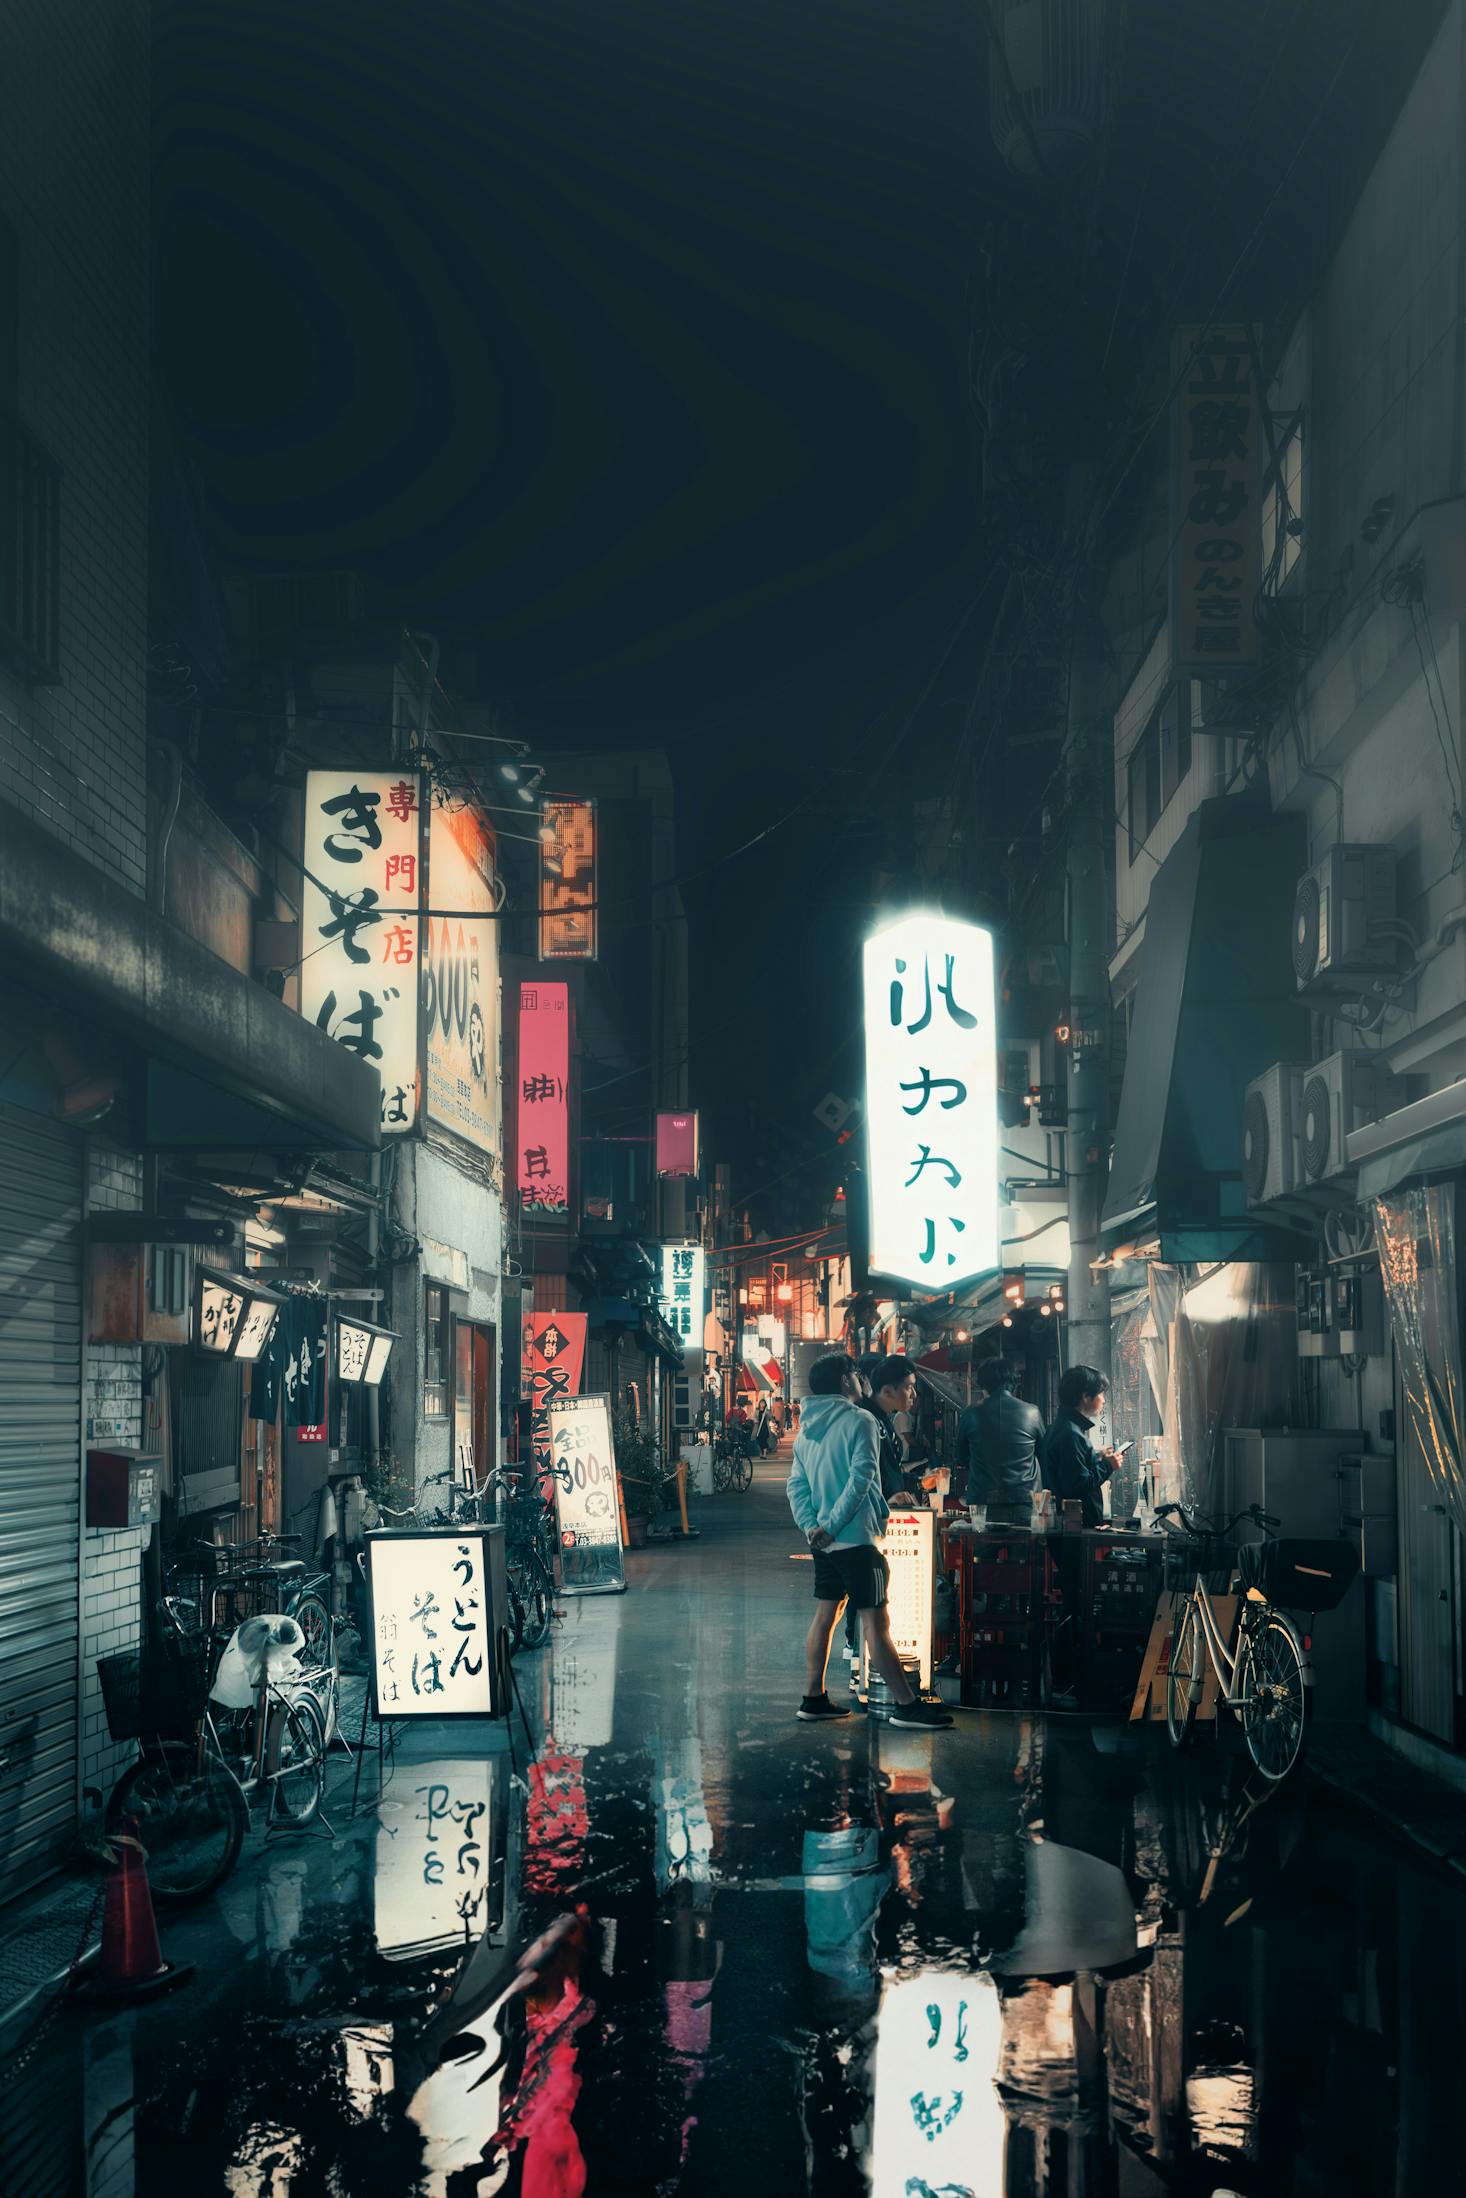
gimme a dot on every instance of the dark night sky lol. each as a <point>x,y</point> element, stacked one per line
<point>632,342</point>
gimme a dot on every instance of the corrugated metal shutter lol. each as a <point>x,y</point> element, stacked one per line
<point>40,1491</point>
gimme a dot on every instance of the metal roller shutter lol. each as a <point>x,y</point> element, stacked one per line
<point>40,1491</point>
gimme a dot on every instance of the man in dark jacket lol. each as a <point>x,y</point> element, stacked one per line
<point>892,1390</point>
<point>1072,1467</point>
<point>997,1448</point>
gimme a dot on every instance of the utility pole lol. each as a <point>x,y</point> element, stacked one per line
<point>1087,806</point>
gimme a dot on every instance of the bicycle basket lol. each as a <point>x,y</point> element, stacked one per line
<point>1187,1554</point>
<point>157,1697</point>
<point>1300,1575</point>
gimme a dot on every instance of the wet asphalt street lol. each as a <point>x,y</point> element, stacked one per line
<point>764,1958</point>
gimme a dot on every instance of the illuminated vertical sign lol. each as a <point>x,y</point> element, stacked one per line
<point>1216,482</point>
<point>360,971</point>
<point>684,1291</point>
<point>677,1144</point>
<point>460,977</point>
<point>909,1545</point>
<point>568,920</point>
<point>586,1508</point>
<point>931,1101</point>
<point>543,1110</point>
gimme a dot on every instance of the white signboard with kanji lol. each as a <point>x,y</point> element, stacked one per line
<point>434,1629</point>
<point>931,1102</point>
<point>583,1452</point>
<point>939,2124</point>
<point>910,1547</point>
<point>360,969</point>
<point>684,1291</point>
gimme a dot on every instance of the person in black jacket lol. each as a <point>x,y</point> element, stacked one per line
<point>997,1448</point>
<point>1072,1467</point>
<point>892,1390</point>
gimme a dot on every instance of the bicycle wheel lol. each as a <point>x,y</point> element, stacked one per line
<point>742,1474</point>
<point>537,1605</point>
<point>1183,1677</point>
<point>516,1611</point>
<point>191,1819</point>
<point>1273,1696</point>
<point>295,1757</point>
<point>314,1620</point>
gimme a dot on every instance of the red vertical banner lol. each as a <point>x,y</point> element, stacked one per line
<point>554,1356</point>
<point>543,1110</point>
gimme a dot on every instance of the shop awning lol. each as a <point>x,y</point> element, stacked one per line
<point>229,1064</point>
<point>1216,1004</point>
<point>1442,1151</point>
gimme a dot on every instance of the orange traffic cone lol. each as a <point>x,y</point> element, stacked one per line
<point>131,1962</point>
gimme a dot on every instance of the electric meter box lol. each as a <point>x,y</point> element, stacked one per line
<point>124,1487</point>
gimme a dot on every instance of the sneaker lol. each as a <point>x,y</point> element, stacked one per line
<point>818,1709</point>
<point>919,1716</point>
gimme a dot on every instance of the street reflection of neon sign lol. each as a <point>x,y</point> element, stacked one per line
<point>432,1871</point>
<point>939,2123</point>
<point>931,1101</point>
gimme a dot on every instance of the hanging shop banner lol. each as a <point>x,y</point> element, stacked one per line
<point>1216,485</point>
<point>909,1545</point>
<point>435,1629</point>
<point>434,1879</point>
<point>677,1144</point>
<point>568,921</point>
<point>586,1509</point>
<point>554,1353</point>
<point>931,1101</point>
<point>460,977</point>
<point>684,1291</point>
<point>544,1108</point>
<point>360,972</point>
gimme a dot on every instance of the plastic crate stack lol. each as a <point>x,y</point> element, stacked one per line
<point>1122,1579</point>
<point>1002,1621</point>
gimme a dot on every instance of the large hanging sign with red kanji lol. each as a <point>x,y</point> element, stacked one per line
<point>931,1101</point>
<point>1216,479</point>
<point>554,1353</point>
<point>461,976</point>
<point>568,918</point>
<point>542,1101</point>
<point>360,971</point>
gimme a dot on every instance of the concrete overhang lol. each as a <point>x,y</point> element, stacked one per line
<point>64,922</point>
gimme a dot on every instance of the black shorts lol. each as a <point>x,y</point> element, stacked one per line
<point>859,1574</point>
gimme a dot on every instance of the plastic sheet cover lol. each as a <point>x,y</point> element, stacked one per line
<point>1416,1234</point>
<point>1225,1349</point>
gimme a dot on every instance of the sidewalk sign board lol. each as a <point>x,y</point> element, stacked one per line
<point>587,1512</point>
<point>438,1610</point>
<point>909,1546</point>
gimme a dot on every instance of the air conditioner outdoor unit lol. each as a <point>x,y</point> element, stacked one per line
<point>1270,1133</point>
<point>1343,911</point>
<point>1338,1095</point>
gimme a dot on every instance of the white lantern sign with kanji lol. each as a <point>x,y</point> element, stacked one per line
<point>684,1291</point>
<point>931,1101</point>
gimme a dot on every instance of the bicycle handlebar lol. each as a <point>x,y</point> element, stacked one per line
<point>1196,1522</point>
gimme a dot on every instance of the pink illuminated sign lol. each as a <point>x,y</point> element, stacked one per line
<point>544,1111</point>
<point>676,1144</point>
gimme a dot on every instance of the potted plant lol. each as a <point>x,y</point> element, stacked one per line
<point>639,1466</point>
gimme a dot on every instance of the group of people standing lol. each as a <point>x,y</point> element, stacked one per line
<point>850,1469</point>
<point>760,1430</point>
<point>1005,1454</point>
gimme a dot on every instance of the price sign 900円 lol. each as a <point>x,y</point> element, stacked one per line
<point>586,1510</point>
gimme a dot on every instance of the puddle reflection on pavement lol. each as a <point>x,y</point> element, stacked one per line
<point>685,1955</point>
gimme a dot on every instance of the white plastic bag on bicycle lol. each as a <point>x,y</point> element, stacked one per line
<point>265,1646</point>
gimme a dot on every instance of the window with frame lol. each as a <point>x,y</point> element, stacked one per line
<point>1282,508</point>
<point>435,1353</point>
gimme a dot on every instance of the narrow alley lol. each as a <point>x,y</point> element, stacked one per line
<point>1009,1959</point>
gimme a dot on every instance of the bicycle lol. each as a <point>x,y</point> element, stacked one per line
<point>191,1796</point>
<point>531,1536</point>
<point>270,1585</point>
<point>732,1465</point>
<point>1267,1681</point>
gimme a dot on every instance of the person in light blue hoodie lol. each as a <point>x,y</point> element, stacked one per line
<point>835,1496</point>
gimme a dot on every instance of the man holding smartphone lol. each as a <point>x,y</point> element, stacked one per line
<point>1072,1467</point>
